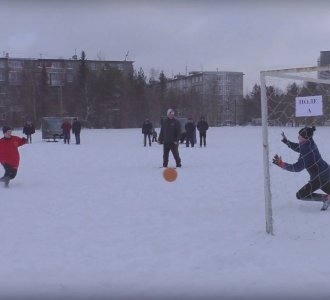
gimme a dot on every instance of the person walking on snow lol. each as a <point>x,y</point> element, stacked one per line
<point>9,155</point>
<point>311,160</point>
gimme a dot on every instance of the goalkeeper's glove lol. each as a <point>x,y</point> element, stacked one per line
<point>277,160</point>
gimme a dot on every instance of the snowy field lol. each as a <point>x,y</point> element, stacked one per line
<point>99,219</point>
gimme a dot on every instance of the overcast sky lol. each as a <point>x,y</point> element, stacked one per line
<point>174,36</point>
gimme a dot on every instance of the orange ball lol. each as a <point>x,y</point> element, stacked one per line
<point>170,174</point>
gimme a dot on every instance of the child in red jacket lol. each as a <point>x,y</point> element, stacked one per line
<point>9,155</point>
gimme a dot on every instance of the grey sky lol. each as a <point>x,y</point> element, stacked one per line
<point>174,36</point>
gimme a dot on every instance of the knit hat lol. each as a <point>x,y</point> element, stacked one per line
<point>5,129</point>
<point>307,132</point>
<point>169,111</point>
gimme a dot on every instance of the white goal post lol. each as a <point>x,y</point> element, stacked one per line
<point>300,74</point>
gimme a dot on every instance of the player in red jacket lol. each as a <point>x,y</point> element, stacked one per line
<point>9,155</point>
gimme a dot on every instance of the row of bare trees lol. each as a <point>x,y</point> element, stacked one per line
<point>281,104</point>
<point>103,99</point>
<point>108,99</point>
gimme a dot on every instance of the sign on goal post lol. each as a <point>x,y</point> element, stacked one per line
<point>291,97</point>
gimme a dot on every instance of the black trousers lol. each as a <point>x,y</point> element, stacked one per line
<point>145,139</point>
<point>202,138</point>
<point>307,191</point>
<point>9,171</point>
<point>29,138</point>
<point>66,138</point>
<point>77,136</point>
<point>191,140</point>
<point>174,148</point>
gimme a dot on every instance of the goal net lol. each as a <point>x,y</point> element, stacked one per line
<point>290,100</point>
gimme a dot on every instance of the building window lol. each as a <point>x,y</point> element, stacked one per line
<point>56,65</point>
<point>2,76</point>
<point>55,79</point>
<point>93,66</point>
<point>14,77</point>
<point>15,64</point>
<point>3,116</point>
<point>69,78</point>
<point>2,64</point>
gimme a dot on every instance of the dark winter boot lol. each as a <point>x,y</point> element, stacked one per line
<point>6,180</point>
<point>326,204</point>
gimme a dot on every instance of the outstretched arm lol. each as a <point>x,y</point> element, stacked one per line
<point>291,145</point>
<point>296,167</point>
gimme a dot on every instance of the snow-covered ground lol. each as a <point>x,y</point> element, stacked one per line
<point>98,218</point>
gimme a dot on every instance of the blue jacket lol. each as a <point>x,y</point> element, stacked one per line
<point>309,159</point>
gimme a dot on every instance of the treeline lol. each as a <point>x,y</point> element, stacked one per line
<point>103,99</point>
<point>281,103</point>
<point>108,99</point>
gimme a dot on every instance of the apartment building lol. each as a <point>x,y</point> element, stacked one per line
<point>16,73</point>
<point>220,93</point>
<point>324,60</point>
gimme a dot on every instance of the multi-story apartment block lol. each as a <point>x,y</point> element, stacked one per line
<point>324,60</point>
<point>17,72</point>
<point>220,93</point>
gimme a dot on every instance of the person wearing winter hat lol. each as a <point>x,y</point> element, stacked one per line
<point>9,155</point>
<point>169,136</point>
<point>311,160</point>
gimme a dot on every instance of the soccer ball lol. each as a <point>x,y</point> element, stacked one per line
<point>170,174</point>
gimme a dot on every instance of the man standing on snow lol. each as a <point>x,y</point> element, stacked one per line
<point>190,129</point>
<point>9,155</point>
<point>202,127</point>
<point>28,130</point>
<point>169,135</point>
<point>146,131</point>
<point>76,128</point>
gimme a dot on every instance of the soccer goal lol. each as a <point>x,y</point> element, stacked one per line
<point>290,98</point>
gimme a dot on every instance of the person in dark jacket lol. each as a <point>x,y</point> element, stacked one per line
<point>28,130</point>
<point>190,129</point>
<point>202,127</point>
<point>154,135</point>
<point>76,129</point>
<point>9,155</point>
<point>169,136</point>
<point>66,127</point>
<point>146,131</point>
<point>311,160</point>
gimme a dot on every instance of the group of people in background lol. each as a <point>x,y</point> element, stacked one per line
<point>170,135</point>
<point>9,154</point>
<point>150,134</point>
<point>67,127</point>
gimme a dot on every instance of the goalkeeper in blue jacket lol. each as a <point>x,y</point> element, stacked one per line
<point>311,160</point>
